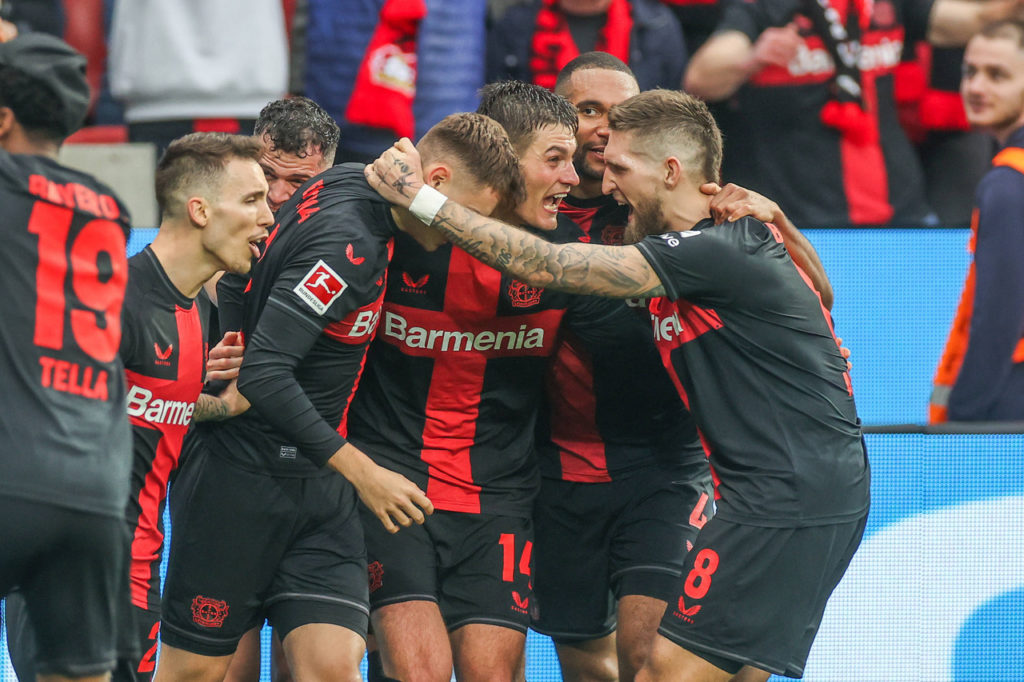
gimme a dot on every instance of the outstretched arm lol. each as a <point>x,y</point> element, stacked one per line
<point>612,271</point>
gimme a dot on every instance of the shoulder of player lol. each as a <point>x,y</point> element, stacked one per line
<point>46,179</point>
<point>346,182</point>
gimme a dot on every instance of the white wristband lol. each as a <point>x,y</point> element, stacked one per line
<point>427,202</point>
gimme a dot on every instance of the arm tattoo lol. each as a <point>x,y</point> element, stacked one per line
<point>612,271</point>
<point>210,408</point>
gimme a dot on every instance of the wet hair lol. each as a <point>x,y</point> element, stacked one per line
<point>591,60</point>
<point>298,125</point>
<point>670,122</point>
<point>1010,29</point>
<point>38,109</point>
<point>194,164</point>
<point>524,108</point>
<point>480,147</point>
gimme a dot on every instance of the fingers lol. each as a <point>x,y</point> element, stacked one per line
<point>388,524</point>
<point>369,172</point>
<point>405,145</point>
<point>710,188</point>
<point>424,503</point>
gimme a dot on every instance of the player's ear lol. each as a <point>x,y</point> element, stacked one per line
<point>6,122</point>
<point>438,176</point>
<point>198,211</point>
<point>672,172</point>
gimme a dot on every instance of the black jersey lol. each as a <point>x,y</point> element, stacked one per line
<point>751,349</point>
<point>64,436</point>
<point>455,377</point>
<point>164,350</point>
<point>608,415</point>
<point>308,315</point>
<point>778,144</point>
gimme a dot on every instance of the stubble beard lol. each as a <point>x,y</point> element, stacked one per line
<point>647,219</point>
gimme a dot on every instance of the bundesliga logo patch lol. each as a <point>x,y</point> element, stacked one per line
<point>320,287</point>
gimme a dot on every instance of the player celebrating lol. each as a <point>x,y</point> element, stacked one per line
<point>212,198</point>
<point>295,550</point>
<point>449,398</point>
<point>732,317</point>
<point>65,449</point>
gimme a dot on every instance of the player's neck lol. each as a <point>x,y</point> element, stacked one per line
<point>182,259</point>
<point>687,207</point>
<point>427,237</point>
<point>16,142</point>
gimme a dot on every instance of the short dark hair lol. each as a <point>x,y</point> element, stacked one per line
<point>195,163</point>
<point>479,146</point>
<point>676,123</point>
<point>524,108</point>
<point>590,60</point>
<point>296,124</point>
<point>36,106</point>
<point>1011,29</point>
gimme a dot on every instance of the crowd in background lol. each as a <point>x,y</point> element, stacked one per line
<point>893,149</point>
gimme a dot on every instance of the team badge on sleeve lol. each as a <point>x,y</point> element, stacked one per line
<point>320,287</point>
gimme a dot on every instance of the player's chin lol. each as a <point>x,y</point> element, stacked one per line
<point>242,264</point>
<point>545,221</point>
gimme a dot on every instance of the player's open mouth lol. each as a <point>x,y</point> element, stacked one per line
<point>552,202</point>
<point>622,202</point>
<point>598,152</point>
<point>254,246</point>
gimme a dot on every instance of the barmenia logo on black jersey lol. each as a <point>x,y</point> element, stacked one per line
<point>397,327</point>
<point>158,411</point>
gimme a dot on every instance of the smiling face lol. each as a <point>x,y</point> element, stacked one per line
<point>286,172</point>
<point>593,92</point>
<point>548,174</point>
<point>632,178</point>
<point>238,216</point>
<point>993,84</point>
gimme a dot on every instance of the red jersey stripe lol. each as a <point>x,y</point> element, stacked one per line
<point>453,400</point>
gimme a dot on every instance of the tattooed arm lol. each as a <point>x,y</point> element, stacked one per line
<point>215,408</point>
<point>612,271</point>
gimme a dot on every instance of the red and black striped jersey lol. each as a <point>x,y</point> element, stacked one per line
<point>64,436</point>
<point>608,416</point>
<point>164,349</point>
<point>778,144</point>
<point>752,352</point>
<point>454,380</point>
<point>308,316</point>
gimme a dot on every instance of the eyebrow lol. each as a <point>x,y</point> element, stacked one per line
<point>589,103</point>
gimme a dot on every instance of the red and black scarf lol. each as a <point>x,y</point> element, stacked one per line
<point>386,84</point>
<point>553,46</point>
<point>853,92</point>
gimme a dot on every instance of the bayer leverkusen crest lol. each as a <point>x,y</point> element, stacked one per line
<point>523,295</point>
<point>392,68</point>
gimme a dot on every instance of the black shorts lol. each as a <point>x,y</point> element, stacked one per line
<point>598,542</point>
<point>755,595</point>
<point>246,546</point>
<point>476,567</point>
<point>70,569</point>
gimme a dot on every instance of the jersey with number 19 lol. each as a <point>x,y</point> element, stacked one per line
<point>64,436</point>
